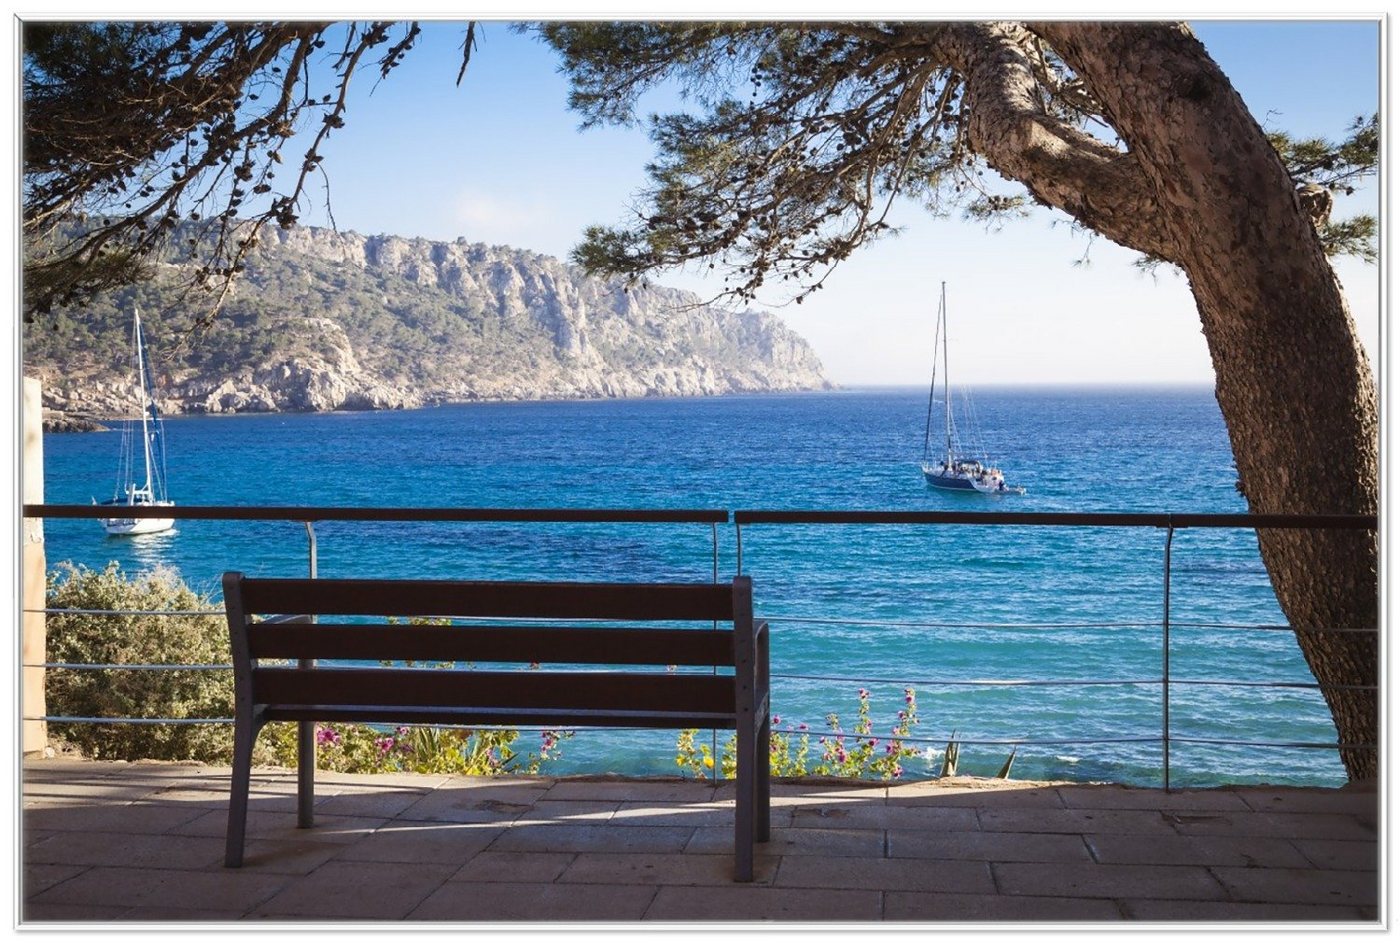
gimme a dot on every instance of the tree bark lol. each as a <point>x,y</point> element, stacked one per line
<point>1293,383</point>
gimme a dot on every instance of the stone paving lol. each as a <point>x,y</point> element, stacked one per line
<point>143,842</point>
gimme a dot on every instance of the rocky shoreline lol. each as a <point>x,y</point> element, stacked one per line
<point>325,321</point>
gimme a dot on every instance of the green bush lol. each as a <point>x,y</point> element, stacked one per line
<point>855,754</point>
<point>137,640</point>
<point>115,639</point>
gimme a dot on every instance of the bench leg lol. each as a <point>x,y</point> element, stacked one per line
<point>763,748</point>
<point>244,733</point>
<point>306,773</point>
<point>744,801</point>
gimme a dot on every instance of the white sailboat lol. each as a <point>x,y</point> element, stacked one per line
<point>956,471</point>
<point>150,490</point>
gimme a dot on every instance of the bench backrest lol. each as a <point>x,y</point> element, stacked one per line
<point>724,639</point>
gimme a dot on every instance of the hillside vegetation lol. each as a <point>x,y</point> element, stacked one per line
<point>327,320</point>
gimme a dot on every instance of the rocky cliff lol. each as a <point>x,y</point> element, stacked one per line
<point>327,320</point>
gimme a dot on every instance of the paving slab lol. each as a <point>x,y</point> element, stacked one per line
<point>1230,911</point>
<point>568,812</point>
<point>117,850</point>
<point>383,802</point>
<point>684,791</point>
<point>906,905</point>
<point>1123,797</point>
<point>908,874</point>
<point>224,890</point>
<point>357,890</point>
<point>880,815</point>
<point>1347,800</point>
<point>575,903</point>
<point>428,842</point>
<point>1339,855</point>
<point>830,842</point>
<point>39,877</point>
<point>1074,821</point>
<point>77,815</point>
<point>985,846</point>
<point>756,903</point>
<point>580,838</point>
<point>515,867</point>
<point>282,826</point>
<point>659,869</point>
<point>695,815</point>
<point>1299,886</point>
<point>457,803</point>
<point>1072,879</point>
<point>958,794</point>
<point>1250,852</point>
<point>34,912</point>
<point>1272,824</point>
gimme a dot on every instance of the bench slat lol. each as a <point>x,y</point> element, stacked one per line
<point>555,645</point>
<point>570,718</point>
<point>636,601</point>
<point>582,690</point>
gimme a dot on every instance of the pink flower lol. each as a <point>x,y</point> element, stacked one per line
<point>385,744</point>
<point>862,694</point>
<point>777,720</point>
<point>909,695</point>
<point>326,736</point>
<point>801,726</point>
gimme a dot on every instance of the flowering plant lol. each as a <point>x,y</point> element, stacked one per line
<point>859,753</point>
<point>360,748</point>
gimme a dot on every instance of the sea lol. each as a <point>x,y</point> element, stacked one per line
<point>1046,638</point>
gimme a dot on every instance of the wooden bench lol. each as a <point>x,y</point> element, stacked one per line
<point>565,697</point>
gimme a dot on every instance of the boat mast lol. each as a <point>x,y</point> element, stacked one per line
<point>947,403</point>
<point>141,382</point>
<point>932,385</point>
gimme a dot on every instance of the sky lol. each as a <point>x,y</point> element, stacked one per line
<point>501,160</point>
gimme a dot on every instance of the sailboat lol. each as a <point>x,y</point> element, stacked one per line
<point>956,471</point>
<point>147,439</point>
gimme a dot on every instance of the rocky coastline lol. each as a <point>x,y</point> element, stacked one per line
<point>367,323</point>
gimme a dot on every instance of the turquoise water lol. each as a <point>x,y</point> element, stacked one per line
<point>880,607</point>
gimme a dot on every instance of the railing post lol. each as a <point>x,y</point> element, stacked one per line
<point>306,730</point>
<point>33,591</point>
<point>1167,659</point>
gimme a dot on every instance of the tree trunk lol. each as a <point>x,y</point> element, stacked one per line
<point>1293,383</point>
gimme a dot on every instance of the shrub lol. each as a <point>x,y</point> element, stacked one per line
<point>118,639</point>
<point>358,748</point>
<point>137,640</point>
<point>856,754</point>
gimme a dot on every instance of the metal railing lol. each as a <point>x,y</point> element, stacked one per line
<point>1168,523</point>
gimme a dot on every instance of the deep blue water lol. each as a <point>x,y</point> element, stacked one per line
<point>955,603</point>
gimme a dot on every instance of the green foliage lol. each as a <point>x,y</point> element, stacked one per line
<point>137,640</point>
<point>1005,771</point>
<point>855,754</point>
<point>142,639</point>
<point>359,748</point>
<point>1339,166</point>
<point>951,754</point>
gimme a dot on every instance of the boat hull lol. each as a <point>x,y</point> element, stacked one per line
<point>133,526</point>
<point>967,484</point>
<point>949,482</point>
